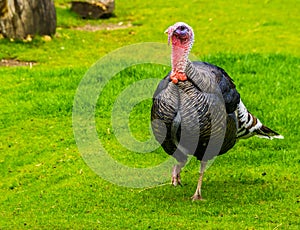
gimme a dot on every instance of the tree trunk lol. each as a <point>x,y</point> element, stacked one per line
<point>20,18</point>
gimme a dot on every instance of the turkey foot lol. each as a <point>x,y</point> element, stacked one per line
<point>196,197</point>
<point>178,76</point>
<point>176,180</point>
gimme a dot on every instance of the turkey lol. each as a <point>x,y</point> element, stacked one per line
<point>197,109</point>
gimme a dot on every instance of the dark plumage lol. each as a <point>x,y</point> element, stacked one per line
<point>197,109</point>
<point>192,102</point>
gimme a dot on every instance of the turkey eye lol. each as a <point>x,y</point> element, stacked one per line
<point>182,28</point>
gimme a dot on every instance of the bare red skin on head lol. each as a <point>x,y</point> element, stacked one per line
<point>179,48</point>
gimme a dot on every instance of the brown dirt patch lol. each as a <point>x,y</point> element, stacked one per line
<point>109,26</point>
<point>14,62</point>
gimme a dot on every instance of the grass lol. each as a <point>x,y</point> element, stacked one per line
<point>45,183</point>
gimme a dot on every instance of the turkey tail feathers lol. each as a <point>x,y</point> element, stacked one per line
<point>265,132</point>
<point>249,125</point>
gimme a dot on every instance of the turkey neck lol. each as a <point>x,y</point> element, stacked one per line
<point>180,53</point>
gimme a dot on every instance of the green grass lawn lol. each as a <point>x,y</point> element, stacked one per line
<point>46,184</point>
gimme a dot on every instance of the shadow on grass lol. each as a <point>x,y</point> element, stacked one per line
<point>231,191</point>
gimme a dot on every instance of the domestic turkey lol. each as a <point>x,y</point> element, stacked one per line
<point>197,109</point>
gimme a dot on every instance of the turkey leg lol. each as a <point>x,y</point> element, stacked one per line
<point>197,195</point>
<point>176,173</point>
